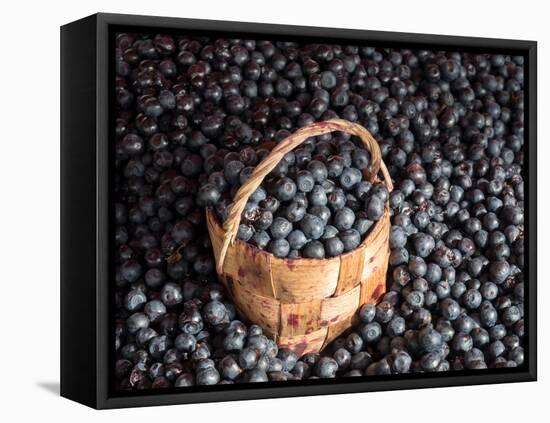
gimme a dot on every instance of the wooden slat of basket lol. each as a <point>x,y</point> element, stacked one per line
<point>374,287</point>
<point>303,344</point>
<point>243,261</point>
<point>253,268</point>
<point>351,265</point>
<point>297,319</point>
<point>216,233</point>
<point>337,309</point>
<point>378,255</point>
<point>263,311</point>
<point>303,280</point>
<point>376,262</point>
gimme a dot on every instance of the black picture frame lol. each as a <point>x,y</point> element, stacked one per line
<point>86,344</point>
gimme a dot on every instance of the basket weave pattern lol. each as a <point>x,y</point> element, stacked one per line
<point>302,303</point>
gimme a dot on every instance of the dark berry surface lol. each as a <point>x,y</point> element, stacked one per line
<point>195,115</point>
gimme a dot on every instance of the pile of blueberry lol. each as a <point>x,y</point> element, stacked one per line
<point>315,203</point>
<point>192,116</point>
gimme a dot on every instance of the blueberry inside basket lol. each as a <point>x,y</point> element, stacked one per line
<point>303,303</point>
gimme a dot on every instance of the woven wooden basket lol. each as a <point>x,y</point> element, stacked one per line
<point>303,303</point>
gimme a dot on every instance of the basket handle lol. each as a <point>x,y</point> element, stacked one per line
<point>233,220</point>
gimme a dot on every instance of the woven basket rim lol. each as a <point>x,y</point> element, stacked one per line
<point>371,235</point>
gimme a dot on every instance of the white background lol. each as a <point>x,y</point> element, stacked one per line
<point>29,208</point>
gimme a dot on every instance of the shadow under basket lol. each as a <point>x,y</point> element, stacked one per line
<point>302,303</point>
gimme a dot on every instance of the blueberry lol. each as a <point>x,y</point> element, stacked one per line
<point>333,247</point>
<point>248,358</point>
<point>399,256</point>
<point>297,239</point>
<point>335,166</point>
<point>381,191</point>
<point>270,204</point>
<point>305,181</point>
<point>190,321</point>
<point>263,220</point>
<point>429,339</point>
<point>450,309</point>
<point>344,219</point>
<point>374,207</point>
<point>245,232</point>
<point>354,342</point>
<point>401,362</point>
<point>472,299</point>
<point>288,359</point>
<point>208,195</point>
<point>381,367</point>
<point>350,238</point>
<point>423,244</point>
<point>488,315</point>
<point>234,341</point>
<point>312,226</point>
<point>144,336</point>
<point>155,310</point>
<point>430,361</point>
<point>362,189</point>
<point>371,332</point>
<point>256,375</point>
<point>396,326</point>
<point>314,249</point>
<point>158,346</point>
<point>294,212</point>
<point>185,343</point>
<point>284,189</point>
<point>131,270</point>
<point>318,170</point>
<point>349,177</point>
<point>384,312</point>
<point>330,232</point>
<point>229,368</point>
<point>322,212</point>
<point>280,228</point>
<point>398,237</point>
<point>342,357</point>
<point>489,291</point>
<point>517,355</point>
<point>336,200</point>
<point>232,169</point>
<point>184,380</point>
<point>497,332</point>
<point>496,349</point>
<point>134,300</point>
<point>279,248</point>
<point>326,367</point>
<point>254,330</point>
<point>360,158</point>
<point>511,315</point>
<point>214,312</point>
<point>367,313</point>
<point>245,174</point>
<point>301,370</point>
<point>318,196</point>
<point>261,239</point>
<point>171,294</point>
<point>499,271</point>
<point>207,376</point>
<point>276,365</point>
